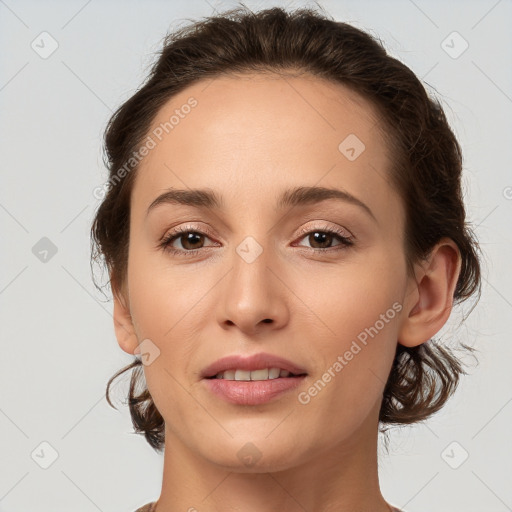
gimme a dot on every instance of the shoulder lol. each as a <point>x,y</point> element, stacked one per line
<point>147,508</point>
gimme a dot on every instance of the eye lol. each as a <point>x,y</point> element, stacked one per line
<point>191,240</point>
<point>324,237</point>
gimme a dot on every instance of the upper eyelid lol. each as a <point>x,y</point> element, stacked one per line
<point>179,230</point>
<point>191,228</point>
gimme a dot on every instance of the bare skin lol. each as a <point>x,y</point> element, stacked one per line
<point>249,139</point>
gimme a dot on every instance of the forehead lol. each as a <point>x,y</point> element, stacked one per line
<point>252,135</point>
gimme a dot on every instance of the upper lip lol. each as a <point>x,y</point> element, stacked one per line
<point>250,363</point>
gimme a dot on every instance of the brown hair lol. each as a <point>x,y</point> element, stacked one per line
<point>426,170</point>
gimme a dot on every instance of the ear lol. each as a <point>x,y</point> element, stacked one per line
<point>123,324</point>
<point>430,300</point>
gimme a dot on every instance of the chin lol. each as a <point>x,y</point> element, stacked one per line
<point>258,456</point>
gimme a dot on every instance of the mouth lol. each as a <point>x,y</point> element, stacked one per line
<point>255,367</point>
<point>255,375</point>
<point>258,385</point>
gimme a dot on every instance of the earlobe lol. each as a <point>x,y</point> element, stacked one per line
<point>432,299</point>
<point>123,324</point>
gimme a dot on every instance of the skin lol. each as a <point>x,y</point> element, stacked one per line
<point>249,138</point>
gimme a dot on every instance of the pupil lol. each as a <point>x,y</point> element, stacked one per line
<point>318,238</point>
<point>189,239</point>
<point>322,236</point>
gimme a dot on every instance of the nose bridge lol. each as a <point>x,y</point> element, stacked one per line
<point>251,293</point>
<point>250,276</point>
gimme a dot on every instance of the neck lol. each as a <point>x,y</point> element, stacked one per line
<point>342,479</point>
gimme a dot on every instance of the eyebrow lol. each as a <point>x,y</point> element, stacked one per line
<point>206,198</point>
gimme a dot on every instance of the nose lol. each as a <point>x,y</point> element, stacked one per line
<point>253,293</point>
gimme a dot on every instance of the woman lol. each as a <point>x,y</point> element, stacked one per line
<point>285,233</point>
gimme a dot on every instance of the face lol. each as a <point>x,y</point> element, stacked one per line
<point>317,279</point>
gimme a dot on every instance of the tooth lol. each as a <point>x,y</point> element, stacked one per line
<point>245,375</point>
<point>273,373</point>
<point>229,375</point>
<point>242,375</point>
<point>259,374</point>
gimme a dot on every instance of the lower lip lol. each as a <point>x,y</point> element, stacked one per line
<point>252,392</point>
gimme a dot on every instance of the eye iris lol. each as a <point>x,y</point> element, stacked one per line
<point>189,239</point>
<point>320,237</point>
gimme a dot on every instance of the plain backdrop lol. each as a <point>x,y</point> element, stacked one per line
<point>65,67</point>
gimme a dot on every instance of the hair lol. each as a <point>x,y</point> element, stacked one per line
<point>426,168</point>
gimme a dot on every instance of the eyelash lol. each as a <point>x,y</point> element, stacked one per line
<point>166,242</point>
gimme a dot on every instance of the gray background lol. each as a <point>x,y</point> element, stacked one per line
<point>58,343</point>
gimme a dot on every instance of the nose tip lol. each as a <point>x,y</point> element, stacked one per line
<point>253,296</point>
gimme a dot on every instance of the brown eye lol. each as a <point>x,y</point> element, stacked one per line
<point>191,240</point>
<point>322,240</point>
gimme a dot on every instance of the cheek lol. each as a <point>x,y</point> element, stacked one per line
<point>162,297</point>
<point>347,300</point>
<point>168,308</point>
<point>354,333</point>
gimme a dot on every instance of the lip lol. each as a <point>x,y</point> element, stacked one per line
<point>252,392</point>
<point>251,363</point>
